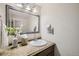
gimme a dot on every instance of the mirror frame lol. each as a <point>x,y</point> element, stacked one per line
<point>7,7</point>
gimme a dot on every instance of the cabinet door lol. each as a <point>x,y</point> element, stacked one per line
<point>47,52</point>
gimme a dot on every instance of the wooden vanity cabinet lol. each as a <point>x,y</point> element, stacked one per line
<point>47,52</point>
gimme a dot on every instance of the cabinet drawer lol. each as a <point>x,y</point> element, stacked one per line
<point>46,52</point>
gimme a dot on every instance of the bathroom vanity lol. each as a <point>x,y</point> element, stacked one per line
<point>29,50</point>
<point>47,52</point>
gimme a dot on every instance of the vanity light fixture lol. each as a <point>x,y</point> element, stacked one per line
<point>34,10</point>
<point>31,8</point>
<point>28,7</point>
<point>19,5</point>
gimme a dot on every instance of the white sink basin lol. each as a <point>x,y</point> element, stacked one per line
<point>38,42</point>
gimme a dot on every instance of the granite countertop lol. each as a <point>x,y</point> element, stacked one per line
<point>27,50</point>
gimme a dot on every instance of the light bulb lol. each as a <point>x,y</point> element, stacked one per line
<point>28,8</point>
<point>19,5</point>
<point>34,10</point>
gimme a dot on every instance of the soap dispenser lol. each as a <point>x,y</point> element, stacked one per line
<point>15,42</point>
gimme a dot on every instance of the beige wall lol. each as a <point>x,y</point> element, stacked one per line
<point>2,13</point>
<point>65,20</point>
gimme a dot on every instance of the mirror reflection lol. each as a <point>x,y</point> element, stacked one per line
<point>25,22</point>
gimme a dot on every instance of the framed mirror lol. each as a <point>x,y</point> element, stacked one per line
<point>26,22</point>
